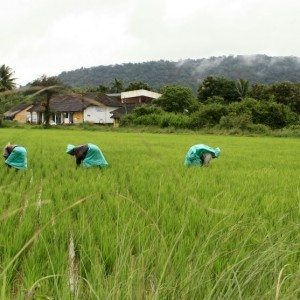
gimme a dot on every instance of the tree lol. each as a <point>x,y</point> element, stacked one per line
<point>117,86</point>
<point>218,86</point>
<point>47,87</point>
<point>286,93</point>
<point>177,99</point>
<point>242,87</point>
<point>6,80</point>
<point>102,88</point>
<point>45,80</point>
<point>259,91</point>
<point>138,85</point>
<point>47,93</point>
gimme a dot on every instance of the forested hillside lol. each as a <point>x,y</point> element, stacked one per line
<point>190,72</point>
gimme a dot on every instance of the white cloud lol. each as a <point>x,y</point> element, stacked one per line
<point>51,36</point>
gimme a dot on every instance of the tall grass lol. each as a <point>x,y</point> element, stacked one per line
<point>147,227</point>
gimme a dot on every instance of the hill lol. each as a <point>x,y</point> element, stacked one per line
<point>256,68</point>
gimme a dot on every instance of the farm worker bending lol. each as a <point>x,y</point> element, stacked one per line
<point>15,156</point>
<point>201,155</point>
<point>89,154</point>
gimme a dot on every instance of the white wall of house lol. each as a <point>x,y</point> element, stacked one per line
<point>98,114</point>
<point>34,117</point>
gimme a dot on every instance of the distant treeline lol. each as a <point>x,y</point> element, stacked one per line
<point>190,72</point>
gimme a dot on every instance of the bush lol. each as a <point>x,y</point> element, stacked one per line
<point>258,128</point>
<point>233,120</point>
<point>175,120</point>
<point>147,110</point>
<point>208,115</point>
<point>272,114</point>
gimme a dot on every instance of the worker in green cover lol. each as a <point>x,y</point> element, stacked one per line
<point>201,155</point>
<point>90,155</point>
<point>15,156</point>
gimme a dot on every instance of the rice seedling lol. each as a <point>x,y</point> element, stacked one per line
<point>147,227</point>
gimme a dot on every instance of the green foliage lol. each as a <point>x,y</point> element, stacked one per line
<point>272,114</point>
<point>117,86</point>
<point>176,99</point>
<point>46,81</point>
<point>256,69</point>
<point>142,110</point>
<point>6,80</point>
<point>208,115</point>
<point>7,102</point>
<point>242,87</point>
<point>286,93</point>
<point>259,91</point>
<point>138,85</point>
<point>218,87</point>
<point>241,121</point>
<point>156,118</point>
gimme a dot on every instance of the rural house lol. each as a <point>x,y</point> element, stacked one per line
<point>19,113</point>
<point>135,97</point>
<point>130,100</point>
<point>74,109</point>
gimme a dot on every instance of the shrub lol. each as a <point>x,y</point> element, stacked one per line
<point>147,110</point>
<point>258,128</point>
<point>208,115</point>
<point>233,120</point>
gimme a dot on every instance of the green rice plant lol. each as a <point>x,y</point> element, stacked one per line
<point>147,227</point>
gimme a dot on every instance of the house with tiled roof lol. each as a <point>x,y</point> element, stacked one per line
<point>74,109</point>
<point>19,113</point>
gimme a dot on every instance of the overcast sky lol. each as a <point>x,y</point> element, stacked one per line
<point>50,36</point>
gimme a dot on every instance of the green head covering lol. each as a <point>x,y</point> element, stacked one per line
<point>70,148</point>
<point>217,152</point>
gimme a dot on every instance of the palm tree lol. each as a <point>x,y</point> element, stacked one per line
<point>242,87</point>
<point>6,80</point>
<point>117,86</point>
<point>47,93</point>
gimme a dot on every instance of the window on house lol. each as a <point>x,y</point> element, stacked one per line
<point>66,115</point>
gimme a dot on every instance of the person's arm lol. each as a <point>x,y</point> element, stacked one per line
<point>78,161</point>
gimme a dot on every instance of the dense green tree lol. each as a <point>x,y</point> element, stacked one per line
<point>103,88</point>
<point>45,80</point>
<point>117,86</point>
<point>8,101</point>
<point>286,93</point>
<point>177,99</point>
<point>209,115</point>
<point>242,87</point>
<point>217,86</point>
<point>256,69</point>
<point>7,82</point>
<point>259,91</point>
<point>138,85</point>
<point>275,115</point>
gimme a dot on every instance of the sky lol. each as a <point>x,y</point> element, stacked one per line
<point>50,36</point>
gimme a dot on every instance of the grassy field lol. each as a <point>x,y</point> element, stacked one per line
<point>147,227</point>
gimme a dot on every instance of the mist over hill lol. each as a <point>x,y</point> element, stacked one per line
<point>189,72</point>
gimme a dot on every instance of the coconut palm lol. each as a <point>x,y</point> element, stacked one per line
<point>46,93</point>
<point>6,80</point>
<point>117,86</point>
<point>242,87</point>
